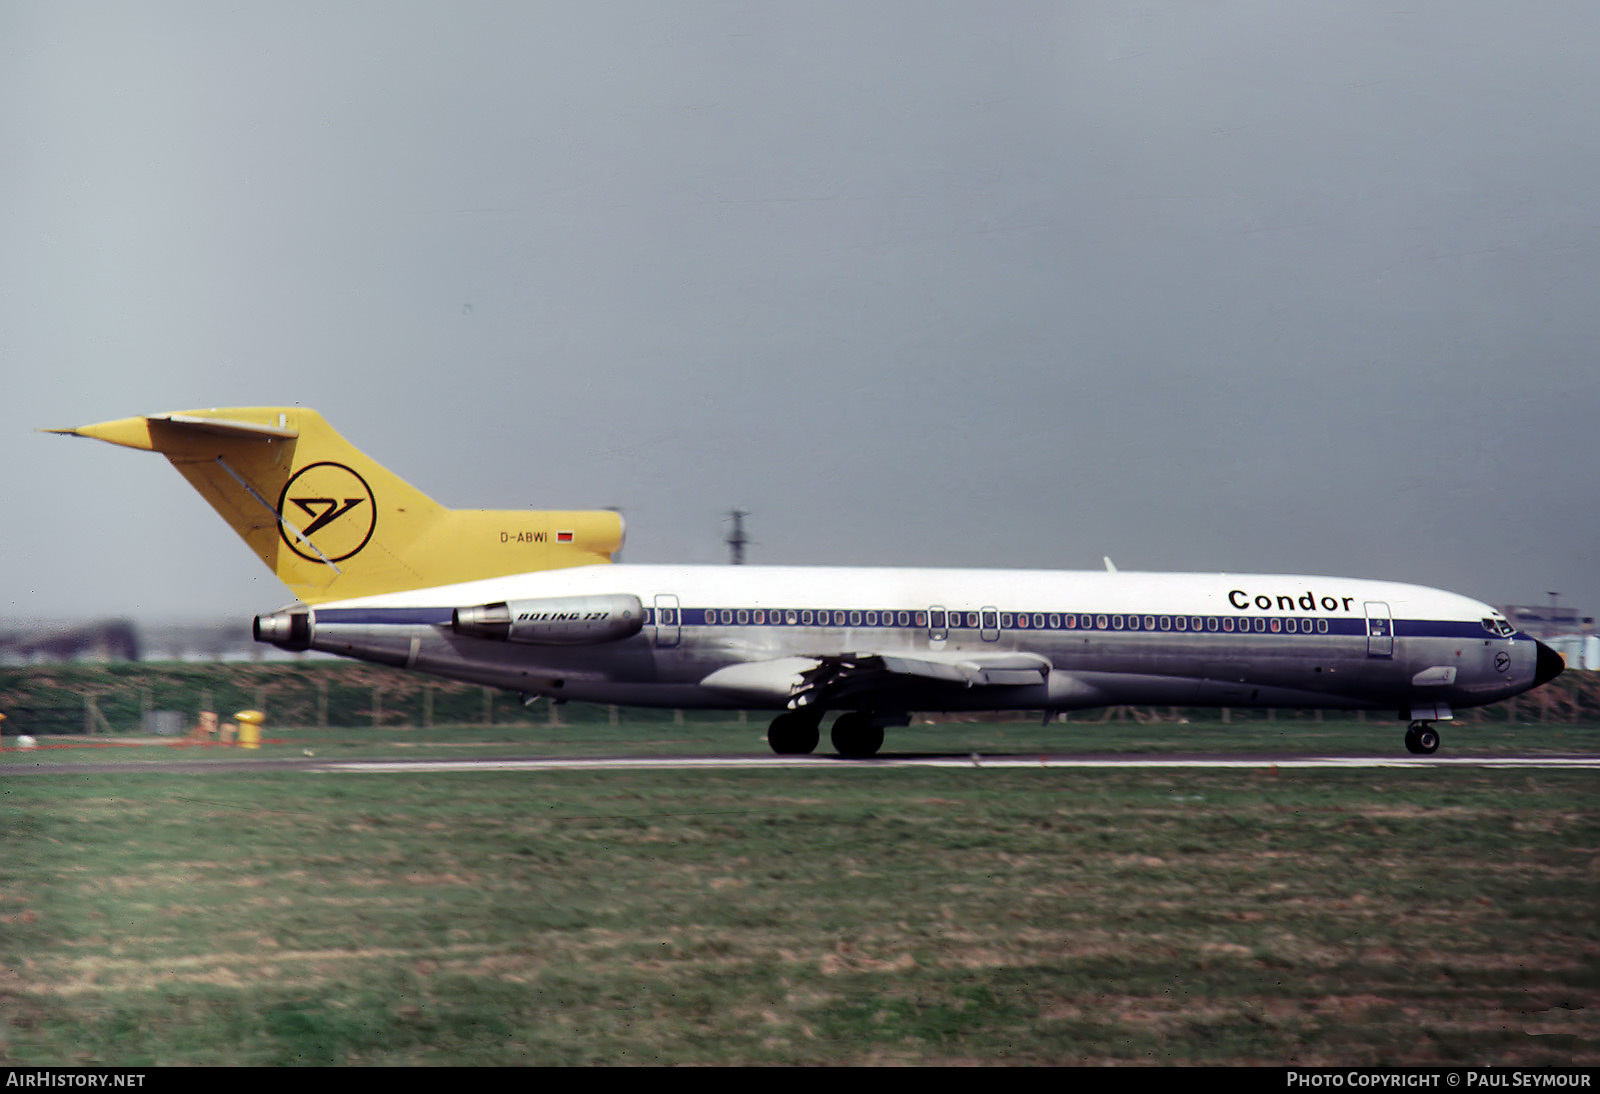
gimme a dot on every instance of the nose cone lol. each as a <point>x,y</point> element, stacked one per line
<point>1549,666</point>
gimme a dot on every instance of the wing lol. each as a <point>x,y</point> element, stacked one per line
<point>805,681</point>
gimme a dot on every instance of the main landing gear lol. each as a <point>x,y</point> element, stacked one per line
<point>1422,739</point>
<point>794,734</point>
<point>855,734</point>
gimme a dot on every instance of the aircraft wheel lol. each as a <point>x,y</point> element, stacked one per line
<point>793,735</point>
<point>1422,739</point>
<point>855,736</point>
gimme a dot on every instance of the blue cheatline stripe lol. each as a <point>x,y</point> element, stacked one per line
<point>1010,622</point>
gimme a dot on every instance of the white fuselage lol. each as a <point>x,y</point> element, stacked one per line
<point>1082,638</point>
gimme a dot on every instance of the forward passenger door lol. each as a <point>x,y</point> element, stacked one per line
<point>1380,629</point>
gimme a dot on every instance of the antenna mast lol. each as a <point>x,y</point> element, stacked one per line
<point>736,537</point>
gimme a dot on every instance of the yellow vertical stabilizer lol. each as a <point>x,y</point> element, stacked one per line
<point>333,523</point>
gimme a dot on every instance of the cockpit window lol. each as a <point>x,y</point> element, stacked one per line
<point>1496,625</point>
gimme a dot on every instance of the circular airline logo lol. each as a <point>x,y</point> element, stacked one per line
<point>332,509</point>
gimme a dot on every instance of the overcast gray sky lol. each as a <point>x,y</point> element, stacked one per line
<point>1304,287</point>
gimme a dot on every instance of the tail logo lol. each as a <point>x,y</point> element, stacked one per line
<point>326,512</point>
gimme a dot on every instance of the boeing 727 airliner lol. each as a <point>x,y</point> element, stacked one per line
<point>530,601</point>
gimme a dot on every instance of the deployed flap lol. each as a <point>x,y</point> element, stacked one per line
<point>776,680</point>
<point>970,668</point>
<point>806,681</point>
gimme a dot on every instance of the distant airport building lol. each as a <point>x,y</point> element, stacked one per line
<point>102,640</point>
<point>1548,620</point>
<point>1579,651</point>
<point>108,640</point>
<point>1564,629</point>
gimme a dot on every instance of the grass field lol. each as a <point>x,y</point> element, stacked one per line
<point>846,914</point>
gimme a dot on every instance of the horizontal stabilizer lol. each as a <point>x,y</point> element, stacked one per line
<point>147,432</point>
<point>230,428</point>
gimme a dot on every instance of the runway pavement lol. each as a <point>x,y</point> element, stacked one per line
<point>970,761</point>
<point>16,764</point>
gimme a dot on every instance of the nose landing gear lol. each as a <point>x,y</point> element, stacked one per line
<point>1422,739</point>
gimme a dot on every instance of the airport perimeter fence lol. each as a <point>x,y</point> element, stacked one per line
<point>133,697</point>
<point>168,698</point>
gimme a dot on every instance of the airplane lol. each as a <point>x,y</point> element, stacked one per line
<point>530,601</point>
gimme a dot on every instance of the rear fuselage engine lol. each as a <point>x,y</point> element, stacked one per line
<point>553,621</point>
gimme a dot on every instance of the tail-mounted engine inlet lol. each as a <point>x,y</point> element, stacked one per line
<point>289,629</point>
